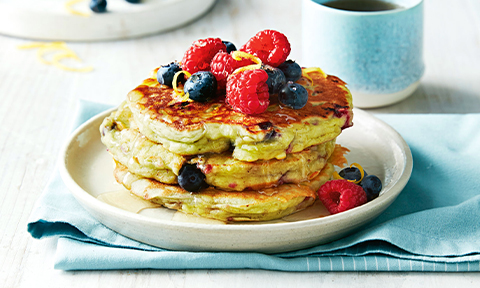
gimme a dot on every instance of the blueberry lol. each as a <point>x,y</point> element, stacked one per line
<point>191,178</point>
<point>372,186</point>
<point>276,79</point>
<point>201,86</point>
<point>166,72</point>
<point>293,95</point>
<point>98,6</point>
<point>292,70</point>
<point>134,1</point>
<point>230,46</point>
<point>352,173</point>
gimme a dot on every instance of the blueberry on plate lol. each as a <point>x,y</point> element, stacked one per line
<point>166,72</point>
<point>191,178</point>
<point>372,185</point>
<point>276,80</point>
<point>98,6</point>
<point>292,70</point>
<point>352,173</point>
<point>134,1</point>
<point>293,95</point>
<point>230,46</point>
<point>201,86</point>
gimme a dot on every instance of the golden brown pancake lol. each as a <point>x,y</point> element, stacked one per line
<point>260,205</point>
<point>191,128</point>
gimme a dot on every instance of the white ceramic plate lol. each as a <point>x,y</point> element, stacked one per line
<point>50,20</point>
<point>86,169</point>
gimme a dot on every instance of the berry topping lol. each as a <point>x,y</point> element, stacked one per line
<point>166,73</point>
<point>276,79</point>
<point>341,195</point>
<point>293,95</point>
<point>292,70</point>
<point>201,86</point>
<point>191,178</point>
<point>230,46</point>
<point>200,54</point>
<point>353,174</point>
<point>247,91</point>
<point>98,6</point>
<point>223,65</point>
<point>272,47</point>
<point>372,186</point>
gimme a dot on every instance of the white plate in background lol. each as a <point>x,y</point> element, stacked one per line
<point>50,20</point>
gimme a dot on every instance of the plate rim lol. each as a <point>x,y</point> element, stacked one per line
<point>113,24</point>
<point>82,195</point>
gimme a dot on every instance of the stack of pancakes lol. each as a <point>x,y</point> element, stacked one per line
<point>258,167</point>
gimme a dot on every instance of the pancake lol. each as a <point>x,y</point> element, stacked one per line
<point>227,173</point>
<point>142,156</point>
<point>151,160</point>
<point>191,128</point>
<point>261,205</point>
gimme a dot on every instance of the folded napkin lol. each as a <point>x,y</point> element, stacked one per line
<point>434,225</point>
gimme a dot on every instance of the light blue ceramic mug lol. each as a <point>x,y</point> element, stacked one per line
<point>379,54</point>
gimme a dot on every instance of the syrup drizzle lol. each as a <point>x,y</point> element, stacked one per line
<point>124,200</point>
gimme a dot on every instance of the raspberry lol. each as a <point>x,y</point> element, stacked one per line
<point>341,195</point>
<point>223,65</point>
<point>200,54</point>
<point>247,91</point>
<point>272,47</point>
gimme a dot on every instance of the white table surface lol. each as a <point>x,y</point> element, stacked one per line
<point>37,102</point>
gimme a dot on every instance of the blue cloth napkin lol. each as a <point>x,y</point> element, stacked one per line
<point>434,225</point>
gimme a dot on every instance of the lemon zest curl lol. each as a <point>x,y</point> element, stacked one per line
<point>174,82</point>
<point>62,52</point>
<point>239,55</point>
<point>305,72</point>
<point>69,6</point>
<point>362,174</point>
